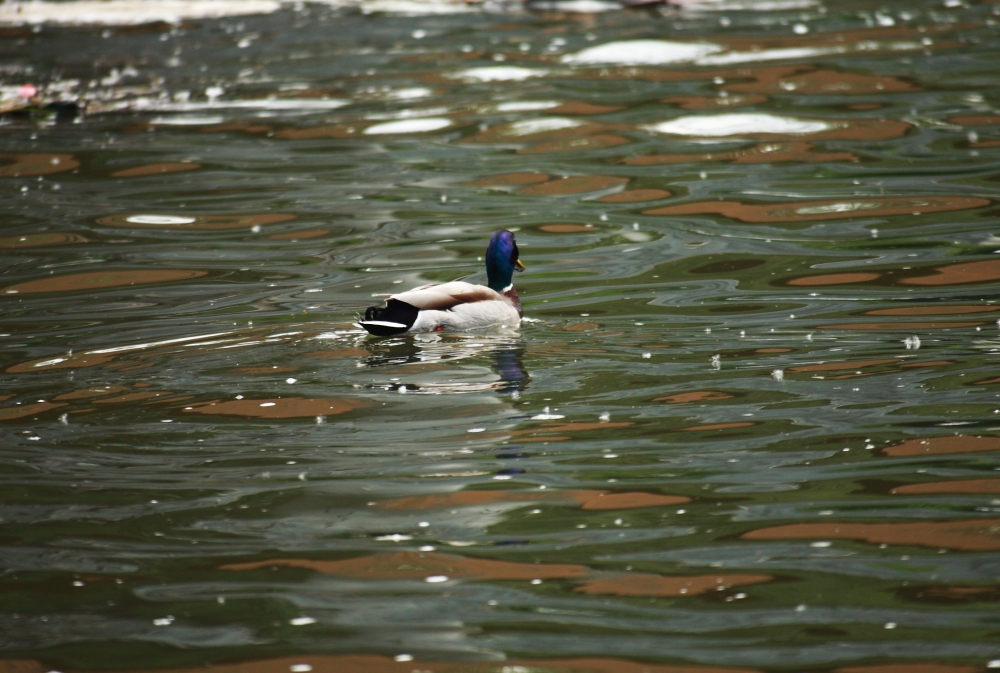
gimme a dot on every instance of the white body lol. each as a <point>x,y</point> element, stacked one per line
<point>477,307</point>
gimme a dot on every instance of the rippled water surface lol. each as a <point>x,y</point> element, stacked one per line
<point>751,424</point>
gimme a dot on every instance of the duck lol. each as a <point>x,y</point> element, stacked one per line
<point>457,305</point>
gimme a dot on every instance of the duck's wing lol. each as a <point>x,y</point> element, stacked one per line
<point>446,296</point>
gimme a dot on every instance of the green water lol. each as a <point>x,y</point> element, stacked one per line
<point>715,445</point>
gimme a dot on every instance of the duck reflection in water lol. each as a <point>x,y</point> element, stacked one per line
<point>422,361</point>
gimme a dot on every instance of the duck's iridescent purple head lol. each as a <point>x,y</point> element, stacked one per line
<point>502,260</point>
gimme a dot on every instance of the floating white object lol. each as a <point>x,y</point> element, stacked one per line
<point>642,52</point>
<point>497,73</point>
<point>742,123</point>
<point>159,219</point>
<point>529,127</point>
<point>409,126</point>
<point>526,106</point>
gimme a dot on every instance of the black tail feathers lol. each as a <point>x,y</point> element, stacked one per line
<point>397,317</point>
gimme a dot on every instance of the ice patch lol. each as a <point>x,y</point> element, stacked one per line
<point>713,126</point>
<point>409,126</point>
<point>499,73</point>
<point>642,52</point>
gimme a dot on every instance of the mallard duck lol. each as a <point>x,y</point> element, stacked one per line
<point>457,305</point>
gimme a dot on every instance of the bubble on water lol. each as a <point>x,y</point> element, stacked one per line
<point>716,362</point>
<point>320,420</point>
<point>646,356</point>
<point>604,417</point>
<point>912,343</point>
<point>778,374</point>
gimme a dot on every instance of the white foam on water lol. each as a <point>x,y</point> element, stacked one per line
<point>410,93</point>
<point>159,219</point>
<point>497,73</point>
<point>187,121</point>
<point>409,126</point>
<point>720,125</point>
<point>785,54</point>
<point>527,106</point>
<point>642,52</point>
<point>129,12</point>
<point>529,127</point>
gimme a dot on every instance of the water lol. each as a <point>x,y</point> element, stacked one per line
<point>751,424</point>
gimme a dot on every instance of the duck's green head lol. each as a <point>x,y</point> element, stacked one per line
<point>502,260</point>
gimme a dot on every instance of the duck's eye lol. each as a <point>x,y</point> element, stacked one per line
<point>514,254</point>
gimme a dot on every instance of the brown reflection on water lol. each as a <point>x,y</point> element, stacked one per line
<point>984,486</point>
<point>933,310</point>
<point>580,184</point>
<point>804,211</point>
<point>207,222</point>
<point>20,411</point>
<point>39,240</point>
<point>719,426</point>
<point>972,535</point>
<point>582,108</point>
<point>694,396</point>
<point>911,667</point>
<point>976,120</point>
<point>295,235</point>
<point>834,279</point>
<point>581,327</point>
<point>955,274</point>
<point>95,280</point>
<point>156,169</point>
<point>595,141</point>
<point>287,407</point>
<point>713,102</point>
<point>758,154</point>
<point>517,179</point>
<point>641,584</point>
<point>419,565</point>
<point>372,663</point>
<point>30,165</point>
<point>811,81</point>
<point>588,500</point>
<point>940,446</point>
<point>635,196</point>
